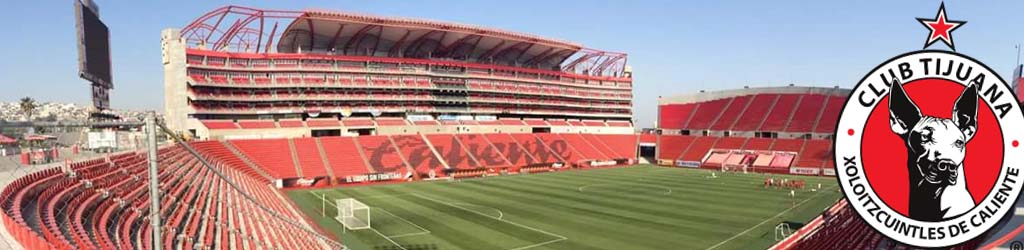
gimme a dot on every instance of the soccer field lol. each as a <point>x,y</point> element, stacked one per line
<point>638,207</point>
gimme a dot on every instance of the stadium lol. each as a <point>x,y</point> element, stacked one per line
<point>322,129</point>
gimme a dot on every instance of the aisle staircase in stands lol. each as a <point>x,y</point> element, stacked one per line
<point>246,159</point>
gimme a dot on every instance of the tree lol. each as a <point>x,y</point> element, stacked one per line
<point>28,107</point>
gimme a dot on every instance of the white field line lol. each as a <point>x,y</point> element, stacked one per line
<point>538,244</point>
<point>407,235</point>
<point>322,196</point>
<point>559,237</point>
<point>388,238</point>
<point>500,213</point>
<point>584,187</point>
<point>424,230</point>
<point>376,196</point>
<point>769,219</point>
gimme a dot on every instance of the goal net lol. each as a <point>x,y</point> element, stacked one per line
<point>734,168</point>
<point>353,214</point>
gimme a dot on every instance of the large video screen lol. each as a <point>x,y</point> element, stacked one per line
<point>93,47</point>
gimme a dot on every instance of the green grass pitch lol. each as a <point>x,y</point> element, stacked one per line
<point>637,207</point>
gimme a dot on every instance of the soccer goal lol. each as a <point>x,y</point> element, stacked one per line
<point>353,214</point>
<point>734,168</point>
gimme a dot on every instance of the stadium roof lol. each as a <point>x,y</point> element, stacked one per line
<point>250,30</point>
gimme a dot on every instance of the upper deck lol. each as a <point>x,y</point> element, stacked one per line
<point>317,32</point>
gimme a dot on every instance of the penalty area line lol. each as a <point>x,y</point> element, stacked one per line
<point>557,236</point>
<point>766,221</point>
<point>424,230</point>
<point>323,196</point>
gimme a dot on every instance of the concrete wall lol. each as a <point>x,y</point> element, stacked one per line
<point>176,107</point>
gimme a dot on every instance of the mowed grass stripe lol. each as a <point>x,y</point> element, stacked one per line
<point>828,195</point>
<point>492,179</point>
<point>428,217</point>
<point>744,195</point>
<point>738,193</point>
<point>682,224</point>
<point>738,182</point>
<point>753,221</point>
<point>634,210</point>
<point>627,209</point>
<point>444,219</point>
<point>545,213</point>
<point>690,201</point>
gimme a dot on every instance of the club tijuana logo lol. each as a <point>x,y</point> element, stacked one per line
<point>927,146</point>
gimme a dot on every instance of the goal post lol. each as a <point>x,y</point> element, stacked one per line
<point>353,214</point>
<point>734,168</point>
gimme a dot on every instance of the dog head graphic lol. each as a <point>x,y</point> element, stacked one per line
<point>936,149</point>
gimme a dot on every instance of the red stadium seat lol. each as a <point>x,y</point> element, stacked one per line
<point>382,154</point>
<point>310,162</point>
<point>418,154</point>
<point>357,122</point>
<point>790,145</point>
<point>815,154</point>
<point>758,144</point>
<point>391,122</point>
<point>453,152</point>
<point>483,151</point>
<point>728,117</point>
<point>754,115</point>
<point>671,147</point>
<point>780,112</point>
<point>212,124</point>
<point>540,150</point>
<point>273,155</point>
<point>731,143</point>
<point>194,199</point>
<point>699,148</point>
<point>322,123</point>
<point>830,115</point>
<point>806,115</point>
<point>256,124</point>
<point>675,116</point>
<point>344,156</point>
<point>707,113</point>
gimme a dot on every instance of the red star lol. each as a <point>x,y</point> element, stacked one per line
<point>941,28</point>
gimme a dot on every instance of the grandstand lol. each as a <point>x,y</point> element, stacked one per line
<point>227,76</point>
<point>103,203</point>
<point>771,129</point>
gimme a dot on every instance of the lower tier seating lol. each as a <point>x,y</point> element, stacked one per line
<point>453,152</point>
<point>381,154</point>
<point>418,154</point>
<point>815,153</point>
<point>338,157</point>
<point>309,158</point>
<point>841,226</point>
<point>344,157</point>
<point>482,150</point>
<point>103,204</point>
<point>515,153</point>
<point>273,155</point>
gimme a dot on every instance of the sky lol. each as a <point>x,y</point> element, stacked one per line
<point>674,47</point>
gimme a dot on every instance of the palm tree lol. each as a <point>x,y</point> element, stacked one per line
<point>28,107</point>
